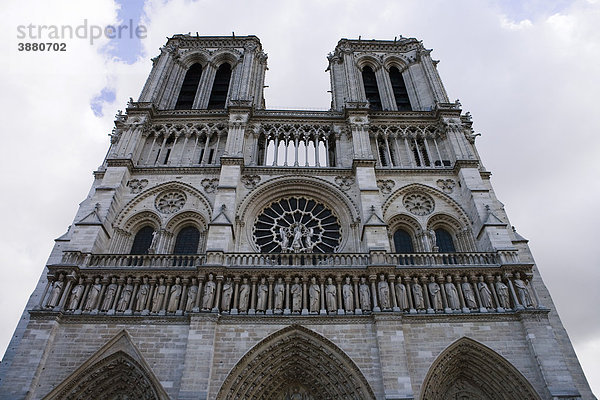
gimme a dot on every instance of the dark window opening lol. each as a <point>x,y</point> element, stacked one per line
<point>424,152</point>
<point>142,240</point>
<point>382,155</point>
<point>444,241</point>
<point>187,241</point>
<point>185,101</point>
<point>371,90</point>
<point>403,242</point>
<point>201,155</point>
<point>210,156</point>
<point>399,89</point>
<point>218,95</point>
<point>167,156</point>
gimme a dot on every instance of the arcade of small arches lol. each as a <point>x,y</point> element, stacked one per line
<point>384,86</point>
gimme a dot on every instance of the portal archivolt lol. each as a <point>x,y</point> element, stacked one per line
<point>295,362</point>
<point>471,371</point>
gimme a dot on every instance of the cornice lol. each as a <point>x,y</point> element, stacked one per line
<point>294,170</point>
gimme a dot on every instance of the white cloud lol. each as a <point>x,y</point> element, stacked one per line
<point>530,84</point>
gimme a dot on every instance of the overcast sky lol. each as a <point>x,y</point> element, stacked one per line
<point>528,71</point>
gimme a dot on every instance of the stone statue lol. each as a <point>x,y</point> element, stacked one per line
<point>384,293</point>
<point>297,240</point>
<point>227,293</point>
<point>142,296</point>
<point>76,294</point>
<point>154,241</point>
<point>175,295</point>
<point>502,291</point>
<point>522,291</point>
<point>261,295</point>
<point>109,295</point>
<point>418,295</point>
<point>57,287</point>
<point>209,293</point>
<point>296,291</point>
<point>309,242</point>
<point>468,293</point>
<point>125,296</point>
<point>331,295</point>
<point>283,232</point>
<point>451,294</point>
<point>279,291</point>
<point>348,295</point>
<point>314,292</point>
<point>435,294</point>
<point>93,296</point>
<point>244,295</point>
<point>192,294</point>
<point>432,238</point>
<point>401,297</point>
<point>159,295</point>
<point>364,294</point>
<point>484,293</point>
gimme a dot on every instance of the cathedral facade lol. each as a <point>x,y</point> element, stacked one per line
<point>230,251</point>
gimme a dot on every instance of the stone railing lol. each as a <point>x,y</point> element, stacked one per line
<point>236,286</point>
<point>254,260</point>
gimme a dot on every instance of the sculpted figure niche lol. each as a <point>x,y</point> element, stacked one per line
<point>209,293</point>
<point>348,295</point>
<point>365,294</point>
<point>522,291</point>
<point>451,294</point>
<point>401,297</point>
<point>76,294</point>
<point>244,296</point>
<point>192,295</point>
<point>93,296</point>
<point>123,303</point>
<point>331,296</point>
<point>279,291</point>
<point>261,295</point>
<point>502,291</point>
<point>315,294</point>
<point>384,293</point>
<point>159,296</point>
<point>418,295</point>
<point>435,294</point>
<point>468,293</point>
<point>227,293</point>
<point>296,291</point>
<point>175,296</point>
<point>142,296</point>
<point>109,295</point>
<point>485,295</point>
<point>57,287</point>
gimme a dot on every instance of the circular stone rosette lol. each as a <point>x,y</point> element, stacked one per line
<point>297,225</point>
<point>419,203</point>
<point>170,202</point>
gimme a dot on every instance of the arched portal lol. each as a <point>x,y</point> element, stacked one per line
<point>468,370</point>
<point>295,361</point>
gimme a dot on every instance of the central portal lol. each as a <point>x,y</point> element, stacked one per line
<point>295,364</point>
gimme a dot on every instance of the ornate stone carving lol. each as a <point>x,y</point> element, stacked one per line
<point>385,185</point>
<point>297,225</point>
<point>401,296</point>
<point>468,294</point>
<point>210,185</point>
<point>418,295</point>
<point>137,185</point>
<point>522,291</point>
<point>109,295</point>
<point>57,287</point>
<point>227,294</point>
<point>76,294</point>
<point>261,295</point>
<point>484,293</point>
<point>244,295</point>
<point>365,294</point>
<point>170,202</point>
<point>344,182</point>
<point>447,185</point>
<point>348,296</point>
<point>123,303</point>
<point>502,291</point>
<point>331,295</point>
<point>296,291</point>
<point>314,292</point>
<point>159,296</point>
<point>419,203</point>
<point>451,294</point>
<point>250,181</point>
<point>93,296</point>
<point>142,295</point>
<point>384,293</point>
<point>435,294</point>
<point>278,292</point>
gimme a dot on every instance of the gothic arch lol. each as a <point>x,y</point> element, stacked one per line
<point>230,56</point>
<point>115,371</point>
<point>295,356</point>
<point>459,212</point>
<point>409,224</point>
<point>196,56</point>
<point>470,368</point>
<point>203,207</point>
<point>310,187</point>
<point>140,219</point>
<point>395,61</point>
<point>366,59</point>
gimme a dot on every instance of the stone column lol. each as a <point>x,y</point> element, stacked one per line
<point>163,306</point>
<point>252,309</point>
<point>323,310</point>
<point>153,283</point>
<point>372,279</point>
<point>490,281</point>
<point>269,309</point>
<point>424,281</point>
<point>392,280</point>
<point>287,295</point>
<point>236,282</point>
<point>441,282</point>
<point>357,308</point>
<point>461,297</point>
<point>217,302</point>
<point>409,294</point>
<point>199,295</point>
<point>304,296</point>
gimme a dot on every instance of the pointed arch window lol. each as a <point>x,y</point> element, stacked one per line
<point>142,240</point>
<point>403,242</point>
<point>371,89</point>
<point>187,241</point>
<point>444,241</point>
<point>218,95</point>
<point>187,94</point>
<point>399,89</point>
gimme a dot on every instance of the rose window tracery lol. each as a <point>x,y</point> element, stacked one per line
<point>297,225</point>
<point>170,202</point>
<point>419,203</point>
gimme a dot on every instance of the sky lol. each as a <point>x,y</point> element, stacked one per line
<point>528,71</point>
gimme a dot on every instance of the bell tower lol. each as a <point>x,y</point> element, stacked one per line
<point>230,251</point>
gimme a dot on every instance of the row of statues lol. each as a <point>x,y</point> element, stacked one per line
<point>306,295</point>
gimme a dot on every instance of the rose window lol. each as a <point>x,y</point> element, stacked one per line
<point>170,202</point>
<point>418,203</point>
<point>297,225</point>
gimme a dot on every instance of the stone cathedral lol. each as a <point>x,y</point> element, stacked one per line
<point>231,251</point>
